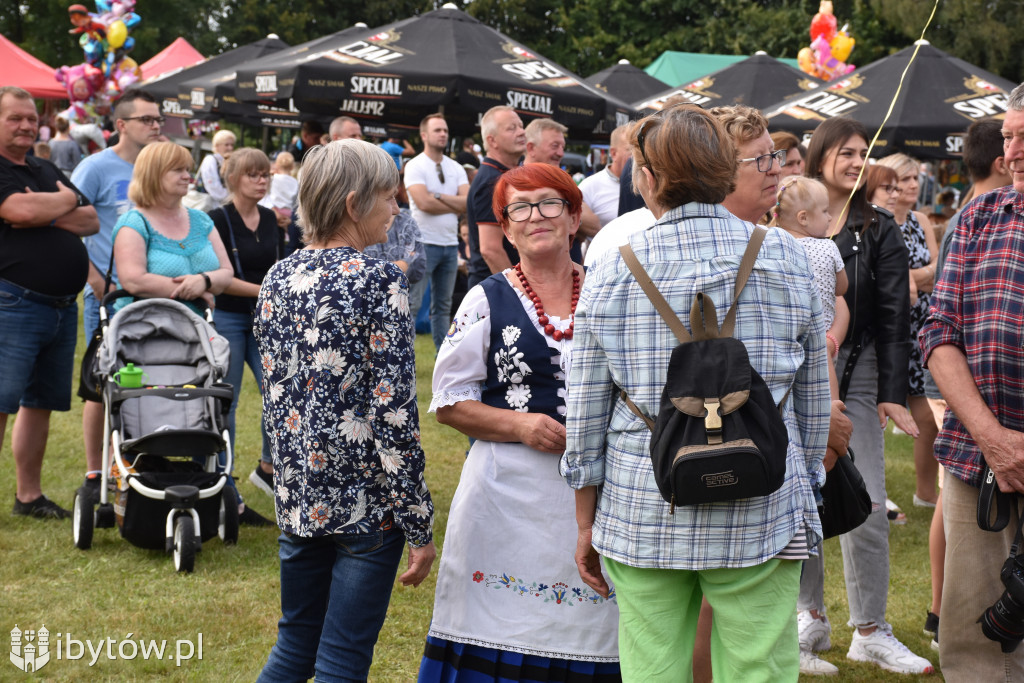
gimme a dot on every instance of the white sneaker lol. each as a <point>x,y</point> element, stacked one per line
<point>882,648</point>
<point>815,634</point>
<point>813,665</point>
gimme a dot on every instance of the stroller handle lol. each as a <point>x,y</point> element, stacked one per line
<point>111,297</point>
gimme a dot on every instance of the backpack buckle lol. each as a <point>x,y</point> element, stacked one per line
<point>712,421</point>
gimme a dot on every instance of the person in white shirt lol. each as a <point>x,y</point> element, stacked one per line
<point>601,190</point>
<point>209,170</point>
<point>437,187</point>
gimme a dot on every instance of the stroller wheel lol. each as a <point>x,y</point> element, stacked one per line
<point>227,528</point>
<point>184,552</point>
<point>82,520</point>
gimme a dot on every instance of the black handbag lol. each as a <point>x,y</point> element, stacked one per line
<point>845,503</point>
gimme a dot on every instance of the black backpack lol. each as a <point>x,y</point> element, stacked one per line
<point>718,435</point>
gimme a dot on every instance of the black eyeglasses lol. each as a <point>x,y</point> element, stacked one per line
<point>641,136</point>
<point>765,161</point>
<point>549,208</point>
<point>440,173</point>
<point>891,189</point>
<point>147,120</point>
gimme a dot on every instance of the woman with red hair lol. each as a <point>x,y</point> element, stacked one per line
<point>510,603</point>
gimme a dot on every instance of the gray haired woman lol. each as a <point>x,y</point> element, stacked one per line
<point>339,389</point>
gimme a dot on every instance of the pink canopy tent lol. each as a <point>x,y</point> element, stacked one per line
<point>178,55</point>
<point>25,71</point>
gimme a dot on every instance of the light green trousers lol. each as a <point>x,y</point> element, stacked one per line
<point>753,633</point>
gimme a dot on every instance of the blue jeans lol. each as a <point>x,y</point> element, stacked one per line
<point>442,267</point>
<point>335,592</point>
<point>237,329</point>
<point>37,351</point>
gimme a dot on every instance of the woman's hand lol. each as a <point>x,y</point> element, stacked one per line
<point>420,561</point>
<point>189,287</point>
<point>900,415</point>
<point>541,432</point>
<point>588,562</point>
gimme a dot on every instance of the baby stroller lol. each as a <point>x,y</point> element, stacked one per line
<point>158,369</point>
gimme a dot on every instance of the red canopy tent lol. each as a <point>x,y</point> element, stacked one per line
<point>25,71</point>
<point>177,55</point>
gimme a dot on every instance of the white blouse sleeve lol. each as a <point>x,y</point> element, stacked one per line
<point>461,366</point>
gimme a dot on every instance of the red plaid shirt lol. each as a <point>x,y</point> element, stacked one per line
<point>978,306</point>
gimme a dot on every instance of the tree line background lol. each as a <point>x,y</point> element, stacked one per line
<point>584,36</point>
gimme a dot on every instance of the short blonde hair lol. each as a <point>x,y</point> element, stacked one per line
<point>488,126</point>
<point>285,163</point>
<point>329,174</point>
<point>795,194</point>
<point>245,160</point>
<point>153,162</point>
<point>535,129</point>
<point>902,164</point>
<point>223,136</point>
<point>741,122</point>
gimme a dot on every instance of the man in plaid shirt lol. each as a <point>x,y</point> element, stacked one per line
<point>972,343</point>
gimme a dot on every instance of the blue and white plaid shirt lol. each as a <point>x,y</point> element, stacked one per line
<point>621,341</point>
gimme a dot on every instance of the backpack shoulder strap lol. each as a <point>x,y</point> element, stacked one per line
<point>659,302</point>
<point>746,266</point>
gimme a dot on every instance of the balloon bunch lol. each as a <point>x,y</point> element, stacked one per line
<point>829,50</point>
<point>107,70</point>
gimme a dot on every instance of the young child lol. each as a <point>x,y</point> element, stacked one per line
<point>801,209</point>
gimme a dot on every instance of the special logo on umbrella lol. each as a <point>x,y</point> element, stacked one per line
<point>362,108</point>
<point>377,50</point>
<point>982,99</point>
<point>266,83</point>
<point>697,98</point>
<point>529,102</point>
<point>385,86</point>
<point>700,87</point>
<point>530,68</point>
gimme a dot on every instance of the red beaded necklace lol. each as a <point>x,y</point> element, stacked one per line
<point>549,329</point>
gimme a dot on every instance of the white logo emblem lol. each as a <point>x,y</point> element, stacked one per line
<point>30,650</point>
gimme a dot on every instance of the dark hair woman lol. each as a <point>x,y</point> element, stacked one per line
<point>872,370</point>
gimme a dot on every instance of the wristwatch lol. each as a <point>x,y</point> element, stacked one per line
<point>437,196</point>
<point>206,278</point>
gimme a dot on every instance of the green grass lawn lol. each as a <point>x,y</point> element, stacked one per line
<point>116,589</point>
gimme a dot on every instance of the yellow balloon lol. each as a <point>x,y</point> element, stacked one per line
<point>805,58</point>
<point>842,45</point>
<point>129,65</point>
<point>116,34</point>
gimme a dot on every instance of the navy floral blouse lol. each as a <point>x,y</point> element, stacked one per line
<point>339,396</point>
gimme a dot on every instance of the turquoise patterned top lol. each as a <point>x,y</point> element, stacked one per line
<point>172,258</point>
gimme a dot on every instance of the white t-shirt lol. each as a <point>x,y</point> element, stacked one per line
<point>601,193</point>
<point>437,229</point>
<point>283,191</point>
<point>617,232</point>
<point>825,261</point>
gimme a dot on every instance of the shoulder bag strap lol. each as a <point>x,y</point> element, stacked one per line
<point>660,305</point>
<point>234,247</point>
<point>746,266</point>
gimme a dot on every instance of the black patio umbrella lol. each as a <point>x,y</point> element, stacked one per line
<point>212,95</point>
<point>166,88</point>
<point>443,59</point>
<point>626,82</point>
<point>755,81</point>
<point>941,96</point>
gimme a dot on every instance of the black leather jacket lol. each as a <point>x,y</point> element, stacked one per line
<point>878,268</point>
